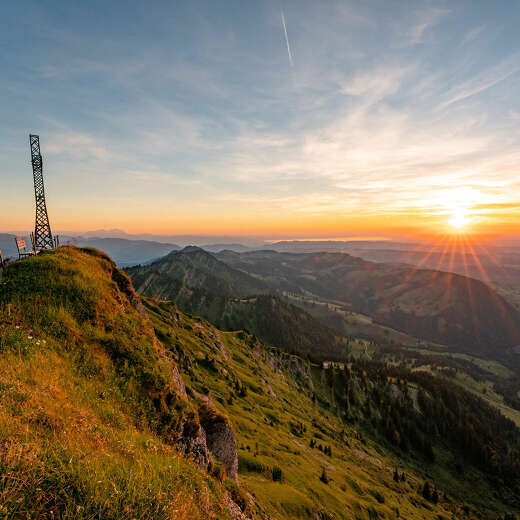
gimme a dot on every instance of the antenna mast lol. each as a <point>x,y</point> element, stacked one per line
<point>42,229</point>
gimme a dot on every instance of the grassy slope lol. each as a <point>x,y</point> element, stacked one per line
<point>276,420</point>
<point>69,445</point>
<point>80,435</point>
<point>350,323</point>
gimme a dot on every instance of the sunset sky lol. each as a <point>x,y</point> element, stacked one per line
<point>294,118</point>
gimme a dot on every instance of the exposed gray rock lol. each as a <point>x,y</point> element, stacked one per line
<point>178,381</point>
<point>220,438</point>
<point>236,512</point>
<point>191,442</point>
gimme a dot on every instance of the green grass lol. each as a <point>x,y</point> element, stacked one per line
<point>493,367</point>
<point>278,398</point>
<point>87,414</point>
<point>350,323</point>
<point>81,433</point>
<point>68,446</point>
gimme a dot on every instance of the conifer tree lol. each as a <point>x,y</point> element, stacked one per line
<point>324,478</point>
<point>426,492</point>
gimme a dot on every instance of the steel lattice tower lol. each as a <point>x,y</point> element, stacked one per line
<point>42,230</point>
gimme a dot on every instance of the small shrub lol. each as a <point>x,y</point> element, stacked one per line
<point>249,464</point>
<point>323,477</point>
<point>277,474</point>
<point>378,496</point>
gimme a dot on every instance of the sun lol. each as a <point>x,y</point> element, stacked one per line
<point>459,218</point>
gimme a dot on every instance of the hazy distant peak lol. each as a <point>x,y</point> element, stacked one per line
<point>192,249</point>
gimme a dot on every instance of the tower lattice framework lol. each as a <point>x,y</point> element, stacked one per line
<point>42,229</point>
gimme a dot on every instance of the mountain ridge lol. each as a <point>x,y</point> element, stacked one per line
<point>202,285</point>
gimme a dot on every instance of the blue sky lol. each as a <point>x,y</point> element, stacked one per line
<point>193,116</point>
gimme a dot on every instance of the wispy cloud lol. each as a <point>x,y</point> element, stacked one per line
<point>289,53</point>
<point>427,19</point>
<point>373,122</point>
<point>483,81</point>
<point>78,145</point>
<point>473,34</point>
<point>378,83</point>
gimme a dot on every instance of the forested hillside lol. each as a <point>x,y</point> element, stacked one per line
<point>193,268</point>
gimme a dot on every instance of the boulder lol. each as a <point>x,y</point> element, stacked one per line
<point>191,442</point>
<point>220,438</point>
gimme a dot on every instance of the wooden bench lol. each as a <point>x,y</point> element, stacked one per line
<point>22,248</point>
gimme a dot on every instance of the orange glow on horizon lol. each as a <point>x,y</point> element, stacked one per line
<point>452,217</point>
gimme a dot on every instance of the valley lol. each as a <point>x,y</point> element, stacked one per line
<point>331,323</point>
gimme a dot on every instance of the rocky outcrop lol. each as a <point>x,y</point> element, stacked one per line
<point>178,381</point>
<point>322,515</point>
<point>234,510</point>
<point>197,436</point>
<point>125,286</point>
<point>296,367</point>
<point>191,442</point>
<point>220,438</point>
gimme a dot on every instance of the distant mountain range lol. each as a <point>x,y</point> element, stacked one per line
<point>336,246</point>
<point>125,252</point>
<point>498,267</point>
<point>183,240</point>
<point>443,307</point>
<point>463,313</point>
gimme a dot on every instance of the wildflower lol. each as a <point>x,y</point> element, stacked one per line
<point>29,337</point>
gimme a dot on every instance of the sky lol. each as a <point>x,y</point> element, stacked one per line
<point>284,119</point>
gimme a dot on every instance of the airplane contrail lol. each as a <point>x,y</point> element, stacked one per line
<point>287,40</point>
